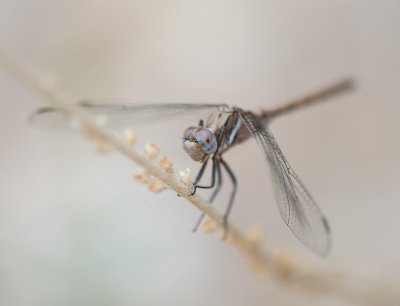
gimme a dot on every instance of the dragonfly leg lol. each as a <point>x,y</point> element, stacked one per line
<point>215,192</point>
<point>200,175</point>
<point>219,181</point>
<point>232,196</point>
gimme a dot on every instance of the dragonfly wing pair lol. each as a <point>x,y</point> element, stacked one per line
<point>297,207</point>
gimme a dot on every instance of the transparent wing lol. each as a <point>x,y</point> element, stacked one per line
<point>297,207</point>
<point>120,115</point>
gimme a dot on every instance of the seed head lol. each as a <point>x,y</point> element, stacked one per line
<point>151,150</point>
<point>130,135</point>
<point>256,234</point>
<point>142,176</point>
<point>209,225</point>
<point>185,177</point>
<point>166,163</point>
<point>156,186</point>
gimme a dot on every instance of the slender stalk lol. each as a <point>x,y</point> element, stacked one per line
<point>289,271</point>
<point>315,97</point>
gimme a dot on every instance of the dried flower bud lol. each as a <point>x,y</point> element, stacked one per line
<point>209,225</point>
<point>130,135</point>
<point>166,163</point>
<point>185,177</point>
<point>256,234</point>
<point>142,176</point>
<point>151,150</point>
<point>156,186</point>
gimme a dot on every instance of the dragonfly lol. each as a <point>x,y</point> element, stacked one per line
<point>224,128</point>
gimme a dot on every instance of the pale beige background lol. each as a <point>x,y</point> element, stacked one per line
<point>76,230</point>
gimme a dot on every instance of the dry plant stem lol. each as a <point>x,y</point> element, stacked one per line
<point>289,272</point>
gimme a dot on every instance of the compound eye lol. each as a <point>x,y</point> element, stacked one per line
<point>207,140</point>
<point>189,132</point>
<point>194,150</point>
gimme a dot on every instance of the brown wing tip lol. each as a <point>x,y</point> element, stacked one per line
<point>326,225</point>
<point>327,229</point>
<point>40,111</point>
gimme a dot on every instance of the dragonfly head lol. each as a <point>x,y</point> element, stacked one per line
<point>199,142</point>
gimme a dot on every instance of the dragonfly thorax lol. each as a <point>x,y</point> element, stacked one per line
<point>199,142</point>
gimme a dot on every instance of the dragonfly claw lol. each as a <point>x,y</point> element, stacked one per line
<point>194,187</point>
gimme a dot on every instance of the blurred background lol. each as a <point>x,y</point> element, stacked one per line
<point>76,230</point>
